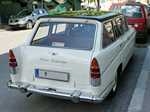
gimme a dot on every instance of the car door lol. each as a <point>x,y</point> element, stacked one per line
<point>110,57</point>
<point>147,15</point>
<point>128,39</point>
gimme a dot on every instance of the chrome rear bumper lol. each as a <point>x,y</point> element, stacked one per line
<point>75,96</point>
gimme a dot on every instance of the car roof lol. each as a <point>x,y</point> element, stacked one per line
<point>136,3</point>
<point>100,18</point>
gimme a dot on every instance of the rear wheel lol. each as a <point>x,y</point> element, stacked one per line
<point>143,38</point>
<point>116,83</point>
<point>115,87</point>
<point>29,25</point>
<point>146,36</point>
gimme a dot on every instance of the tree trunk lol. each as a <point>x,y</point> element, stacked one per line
<point>98,5</point>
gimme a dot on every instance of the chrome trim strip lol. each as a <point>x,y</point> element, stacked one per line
<point>75,96</point>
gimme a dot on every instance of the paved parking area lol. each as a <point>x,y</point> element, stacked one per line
<point>14,101</point>
<point>11,39</point>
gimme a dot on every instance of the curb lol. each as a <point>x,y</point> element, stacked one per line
<point>137,99</point>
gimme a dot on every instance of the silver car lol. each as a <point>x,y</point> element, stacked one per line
<point>26,18</point>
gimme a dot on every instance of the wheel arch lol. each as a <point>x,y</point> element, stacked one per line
<point>119,69</point>
<point>29,20</point>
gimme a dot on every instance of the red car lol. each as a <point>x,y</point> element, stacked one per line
<point>139,18</point>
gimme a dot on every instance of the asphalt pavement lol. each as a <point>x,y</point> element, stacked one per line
<point>10,39</point>
<point>14,101</point>
<point>141,97</point>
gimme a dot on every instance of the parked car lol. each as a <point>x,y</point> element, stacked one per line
<point>76,58</point>
<point>148,8</point>
<point>139,18</point>
<point>26,18</point>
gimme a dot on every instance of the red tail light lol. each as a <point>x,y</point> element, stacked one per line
<point>12,59</point>
<point>95,73</point>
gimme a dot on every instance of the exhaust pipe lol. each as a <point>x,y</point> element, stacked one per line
<point>23,90</point>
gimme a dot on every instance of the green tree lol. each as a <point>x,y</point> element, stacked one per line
<point>96,2</point>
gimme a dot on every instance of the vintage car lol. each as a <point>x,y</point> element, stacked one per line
<point>79,58</point>
<point>26,18</point>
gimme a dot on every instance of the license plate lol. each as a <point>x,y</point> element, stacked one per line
<point>52,75</point>
<point>131,26</point>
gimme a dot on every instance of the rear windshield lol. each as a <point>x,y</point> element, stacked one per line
<point>132,11</point>
<point>65,35</point>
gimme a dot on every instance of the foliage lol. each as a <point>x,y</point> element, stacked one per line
<point>81,13</point>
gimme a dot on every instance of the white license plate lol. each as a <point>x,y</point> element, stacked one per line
<point>53,75</point>
<point>131,26</point>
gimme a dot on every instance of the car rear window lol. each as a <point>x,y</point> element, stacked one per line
<point>65,35</point>
<point>132,11</point>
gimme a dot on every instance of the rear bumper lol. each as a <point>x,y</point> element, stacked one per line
<point>140,34</point>
<point>17,25</point>
<point>75,96</point>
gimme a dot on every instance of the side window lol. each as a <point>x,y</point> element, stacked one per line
<point>41,37</point>
<point>125,24</point>
<point>122,25</point>
<point>146,10</point>
<point>117,29</point>
<point>41,12</point>
<point>108,34</point>
<point>36,12</point>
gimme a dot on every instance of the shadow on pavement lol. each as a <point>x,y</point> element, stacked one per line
<point>8,28</point>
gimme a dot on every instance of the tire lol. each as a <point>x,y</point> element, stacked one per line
<point>29,25</point>
<point>115,88</point>
<point>148,30</point>
<point>144,38</point>
<point>116,80</point>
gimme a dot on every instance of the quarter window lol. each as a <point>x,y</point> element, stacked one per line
<point>42,32</point>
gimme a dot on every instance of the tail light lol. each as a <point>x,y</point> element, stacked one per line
<point>95,73</point>
<point>12,61</point>
<point>137,25</point>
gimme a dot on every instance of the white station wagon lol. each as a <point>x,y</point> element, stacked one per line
<point>75,58</point>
